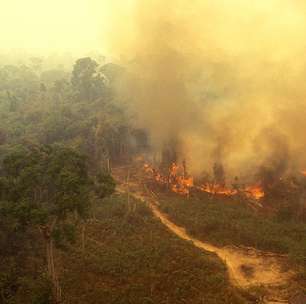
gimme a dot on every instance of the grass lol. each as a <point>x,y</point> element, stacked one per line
<point>132,258</point>
<point>222,221</point>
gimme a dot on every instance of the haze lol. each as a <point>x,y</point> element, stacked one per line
<point>52,25</point>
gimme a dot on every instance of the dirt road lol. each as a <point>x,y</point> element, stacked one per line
<point>246,267</point>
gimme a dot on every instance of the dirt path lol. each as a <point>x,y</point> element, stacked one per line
<point>246,267</point>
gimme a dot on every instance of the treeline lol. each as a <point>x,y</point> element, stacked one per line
<point>59,133</point>
<point>77,108</point>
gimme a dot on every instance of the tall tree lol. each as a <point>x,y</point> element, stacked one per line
<point>42,186</point>
<point>87,82</point>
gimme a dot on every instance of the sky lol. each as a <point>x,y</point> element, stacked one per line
<point>53,25</point>
<point>79,26</point>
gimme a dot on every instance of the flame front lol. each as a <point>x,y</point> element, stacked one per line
<point>180,182</point>
<point>217,189</point>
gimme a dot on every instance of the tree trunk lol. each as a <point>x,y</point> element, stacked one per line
<point>56,290</point>
<point>108,166</point>
<point>93,208</point>
<point>128,192</point>
<point>83,238</point>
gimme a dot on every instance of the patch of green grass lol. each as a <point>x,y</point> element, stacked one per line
<point>223,222</point>
<point>132,258</point>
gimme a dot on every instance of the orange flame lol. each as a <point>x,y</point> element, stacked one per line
<point>217,189</point>
<point>254,192</point>
<point>181,184</point>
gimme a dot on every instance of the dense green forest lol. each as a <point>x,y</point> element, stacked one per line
<point>76,107</point>
<point>59,131</point>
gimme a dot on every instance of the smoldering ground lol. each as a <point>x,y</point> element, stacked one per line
<point>224,79</point>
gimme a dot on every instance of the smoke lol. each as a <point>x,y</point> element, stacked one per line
<point>223,79</point>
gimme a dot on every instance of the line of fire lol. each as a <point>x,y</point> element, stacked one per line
<point>272,188</point>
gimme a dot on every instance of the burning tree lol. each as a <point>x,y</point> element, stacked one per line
<point>219,174</point>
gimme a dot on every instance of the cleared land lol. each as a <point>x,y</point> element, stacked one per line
<point>132,258</point>
<point>225,222</point>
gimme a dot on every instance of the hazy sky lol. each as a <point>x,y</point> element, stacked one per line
<point>79,26</point>
<point>60,25</point>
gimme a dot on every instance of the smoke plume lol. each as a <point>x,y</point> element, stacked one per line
<point>223,79</point>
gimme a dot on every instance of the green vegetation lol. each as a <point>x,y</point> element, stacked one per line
<point>41,188</point>
<point>65,237</point>
<point>129,257</point>
<point>74,107</point>
<point>224,221</point>
<point>58,130</point>
<point>61,237</point>
<point>132,258</point>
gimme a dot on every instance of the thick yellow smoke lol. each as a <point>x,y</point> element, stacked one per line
<point>225,79</point>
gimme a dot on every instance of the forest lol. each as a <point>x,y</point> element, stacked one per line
<point>152,152</point>
<point>59,130</point>
<point>66,237</point>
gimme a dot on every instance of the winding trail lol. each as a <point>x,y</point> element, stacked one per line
<point>247,267</point>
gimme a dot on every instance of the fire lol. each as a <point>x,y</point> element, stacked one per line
<point>254,192</point>
<point>182,185</point>
<point>176,179</point>
<point>180,182</point>
<point>148,168</point>
<point>303,172</point>
<point>217,189</point>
